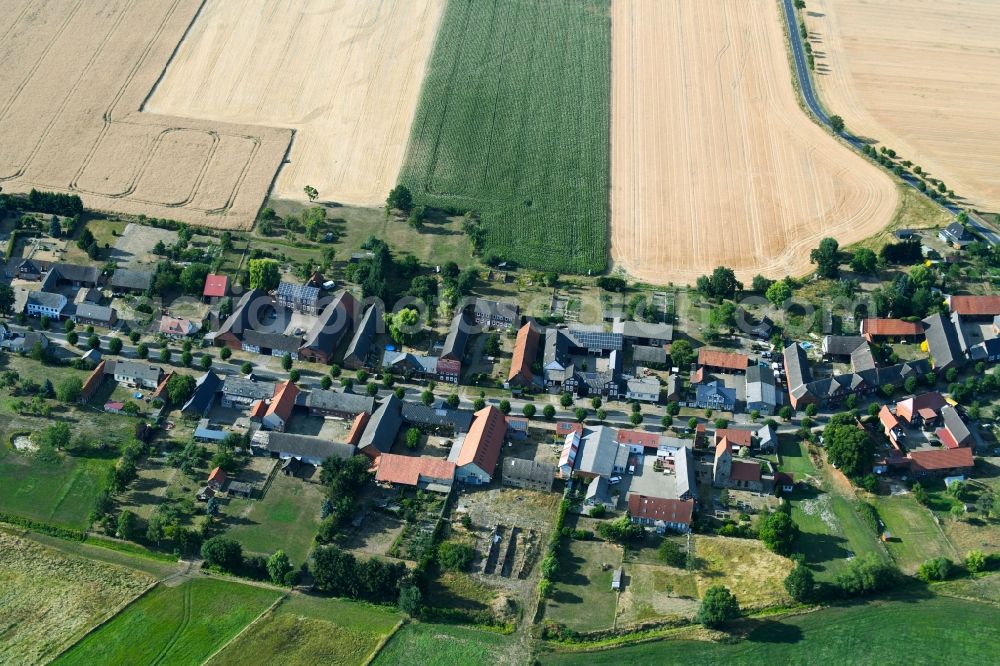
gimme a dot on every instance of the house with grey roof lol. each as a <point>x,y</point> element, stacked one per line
<point>72,274</point>
<point>761,394</point>
<point>440,419</point>
<point>598,492</point>
<point>321,402</point>
<point>644,332</point>
<point>271,344</point>
<point>382,428</point>
<point>600,454</point>
<point>458,336</point>
<point>358,353</point>
<point>713,394</point>
<point>95,315</point>
<point>330,327</point>
<point>134,373</point>
<point>304,448</point>
<point>241,392</point>
<point>46,304</point>
<point>206,388</point>
<point>496,314</point>
<point>643,389</point>
<point>955,235</point>
<point>840,347</point>
<point>248,314</point>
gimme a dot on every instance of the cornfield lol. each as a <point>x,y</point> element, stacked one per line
<point>513,124</point>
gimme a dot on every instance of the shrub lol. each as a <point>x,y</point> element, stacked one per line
<point>718,607</point>
<point>800,583</point>
<point>455,556</point>
<point>671,553</point>
<point>865,575</point>
<point>224,553</point>
<point>975,561</point>
<point>621,530</point>
<point>935,569</point>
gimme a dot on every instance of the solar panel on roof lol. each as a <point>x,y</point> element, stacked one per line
<point>298,292</point>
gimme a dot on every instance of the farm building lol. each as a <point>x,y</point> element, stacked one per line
<point>305,448</point>
<point>476,455</point>
<point>298,297</point>
<point>760,390</point>
<point>321,402</point>
<point>89,314</point>
<point>246,316</point>
<point>382,427</point>
<point>598,493</point>
<point>642,333</point>
<point>525,352</point>
<point>496,314</point>
<point>943,343</point>
<point>128,281</point>
<point>241,392</point>
<point>976,308</point>
<point>941,462</point>
<point>600,453</point>
<point>74,275</point>
<point>358,353</point>
<point>528,474</point>
<point>440,420</point>
<point>714,360</point>
<point>330,327</point>
<point>217,478</point>
<point>415,471</point>
<point>891,330</point>
<point>271,344</point>
<point>205,390</point>
<point>216,286</point>
<point>649,356</point>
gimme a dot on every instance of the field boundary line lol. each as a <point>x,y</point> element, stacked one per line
<point>266,612</point>
<point>179,630</point>
<point>382,643</point>
<point>115,613</point>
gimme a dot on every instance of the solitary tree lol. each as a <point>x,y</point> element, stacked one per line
<point>826,257</point>
<point>718,607</point>
<point>836,124</point>
<point>400,199</point>
<point>311,192</point>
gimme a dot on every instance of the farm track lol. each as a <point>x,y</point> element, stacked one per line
<point>181,626</point>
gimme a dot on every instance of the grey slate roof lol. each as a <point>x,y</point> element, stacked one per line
<point>953,422</point>
<point>642,330</point>
<point>95,312</point>
<point>841,345</point>
<point>330,326</point>
<point>245,313</point>
<point>760,386</point>
<point>47,299</point>
<point>599,450</point>
<point>458,336</point>
<point>339,402</point>
<point>529,470</point>
<point>301,446</point>
<point>383,426</point>
<point>205,389</point>
<point>273,341</point>
<point>246,388</point>
<point>133,370</point>
<point>76,273</point>
<point>364,336</point>
<point>459,420</point>
<point>705,392</point>
<point>942,342</point>
<point>126,278</point>
<point>644,354</point>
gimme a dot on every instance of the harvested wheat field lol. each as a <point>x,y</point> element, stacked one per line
<point>73,78</point>
<point>713,162</point>
<point>48,599</point>
<point>345,75</point>
<point>921,77</point>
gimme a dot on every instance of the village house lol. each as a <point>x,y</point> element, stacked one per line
<point>414,366</point>
<point>738,474</point>
<point>761,395</point>
<point>358,353</point>
<point>247,314</point>
<point>46,304</point>
<point>528,474</point>
<point>279,410</point>
<point>135,374</point>
<point>476,455</point>
<point>449,363</point>
<point>713,394</point>
<point>73,275</point>
<point>643,389</point>
<point>217,479</point>
<point>241,392</point>
<point>205,390</point>
<point>574,360</point>
<point>955,235</point>
<point>441,420</point>
<point>176,328</point>
<point>88,314</point>
<point>673,515</point>
<point>599,493</point>
<point>298,297</point>
<point>714,360</point>
<point>216,286</point>
<point>496,314</point>
<point>891,330</point>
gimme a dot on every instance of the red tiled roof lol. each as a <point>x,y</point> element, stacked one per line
<point>216,285</point>
<point>525,350</point>
<point>357,428</point>
<point>890,327</point>
<point>648,440</point>
<point>947,438</point>
<point>975,305</point>
<point>721,447</point>
<point>258,409</point>
<point>283,401</point>
<point>658,508</point>
<point>745,471</point>
<point>888,419</point>
<point>484,440</point>
<point>217,474</point>
<point>176,326</point>
<point>736,436</point>
<point>943,459</point>
<point>114,406</point>
<point>161,390</point>
<point>905,409</point>
<point>564,428</point>
<point>407,470</point>
<point>720,359</point>
<point>93,381</point>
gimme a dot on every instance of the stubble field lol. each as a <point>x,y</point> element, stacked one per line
<point>74,78</point>
<point>919,76</point>
<point>345,75</point>
<point>712,160</point>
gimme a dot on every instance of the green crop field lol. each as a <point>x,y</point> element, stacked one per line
<point>174,625</point>
<point>513,123</point>
<point>312,630</point>
<point>907,631</point>
<point>446,645</point>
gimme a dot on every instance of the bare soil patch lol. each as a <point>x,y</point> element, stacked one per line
<point>713,162</point>
<point>920,78</point>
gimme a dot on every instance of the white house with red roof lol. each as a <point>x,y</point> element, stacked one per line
<point>279,410</point>
<point>476,455</point>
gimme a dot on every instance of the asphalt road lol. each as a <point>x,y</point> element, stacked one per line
<point>812,101</point>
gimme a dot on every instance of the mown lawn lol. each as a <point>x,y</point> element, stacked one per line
<point>915,536</point>
<point>447,645</point>
<point>795,458</point>
<point>312,630</point>
<point>286,518</point>
<point>513,123</point>
<point>905,631</point>
<point>174,625</point>
<point>582,598</point>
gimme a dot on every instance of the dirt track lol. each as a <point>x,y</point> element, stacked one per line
<point>713,162</point>
<point>345,74</point>
<point>920,76</point>
<point>73,76</point>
